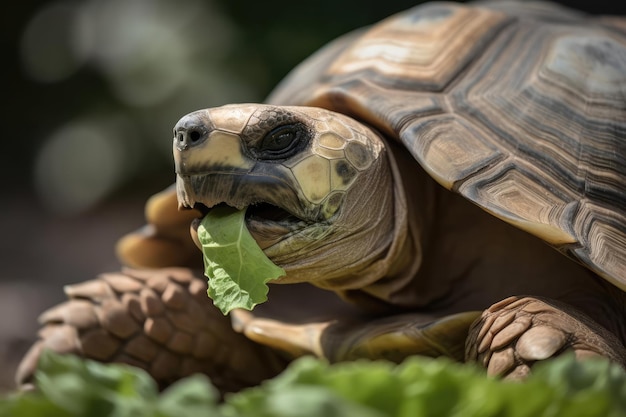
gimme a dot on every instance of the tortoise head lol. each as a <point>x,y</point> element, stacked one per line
<point>316,185</point>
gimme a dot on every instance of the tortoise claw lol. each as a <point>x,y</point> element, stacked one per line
<point>517,332</point>
<point>294,339</point>
<point>158,320</point>
<point>392,338</point>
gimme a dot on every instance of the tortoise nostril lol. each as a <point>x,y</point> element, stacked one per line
<point>191,130</point>
<point>185,138</point>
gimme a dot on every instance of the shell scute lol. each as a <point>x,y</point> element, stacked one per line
<point>519,196</point>
<point>450,148</point>
<point>519,108</point>
<point>422,50</point>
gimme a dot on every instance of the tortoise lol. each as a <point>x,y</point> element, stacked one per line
<point>447,182</point>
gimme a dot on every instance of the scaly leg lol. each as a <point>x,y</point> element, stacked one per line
<point>160,320</point>
<point>515,333</point>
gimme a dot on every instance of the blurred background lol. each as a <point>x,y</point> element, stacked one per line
<point>92,89</point>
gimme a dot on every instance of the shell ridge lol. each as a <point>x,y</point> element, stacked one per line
<point>540,149</point>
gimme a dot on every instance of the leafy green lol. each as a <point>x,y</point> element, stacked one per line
<point>68,386</point>
<point>439,387</point>
<point>72,387</point>
<point>236,266</point>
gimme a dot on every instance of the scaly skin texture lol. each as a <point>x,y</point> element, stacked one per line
<point>158,320</point>
<point>517,332</point>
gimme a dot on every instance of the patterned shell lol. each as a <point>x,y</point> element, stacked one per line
<point>521,108</point>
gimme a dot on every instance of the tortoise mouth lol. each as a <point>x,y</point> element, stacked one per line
<point>268,224</point>
<point>270,213</point>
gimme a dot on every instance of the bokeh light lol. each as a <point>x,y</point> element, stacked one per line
<point>79,164</point>
<point>46,47</point>
<point>160,60</point>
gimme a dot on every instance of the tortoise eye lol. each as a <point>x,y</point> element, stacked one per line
<point>282,142</point>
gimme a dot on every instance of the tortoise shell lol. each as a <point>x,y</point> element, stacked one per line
<point>519,108</point>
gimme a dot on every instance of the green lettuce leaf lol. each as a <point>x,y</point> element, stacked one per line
<point>236,266</point>
<point>68,386</point>
<point>72,387</point>
<point>425,387</point>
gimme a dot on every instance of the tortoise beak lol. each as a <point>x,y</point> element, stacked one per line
<point>199,149</point>
<point>213,167</point>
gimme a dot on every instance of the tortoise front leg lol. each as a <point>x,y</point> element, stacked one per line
<point>353,337</point>
<point>160,320</point>
<point>515,333</point>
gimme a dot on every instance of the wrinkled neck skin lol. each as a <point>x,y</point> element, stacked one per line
<point>346,252</point>
<point>394,279</point>
<point>373,251</point>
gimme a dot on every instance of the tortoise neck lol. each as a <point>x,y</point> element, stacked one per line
<point>351,251</point>
<point>415,200</point>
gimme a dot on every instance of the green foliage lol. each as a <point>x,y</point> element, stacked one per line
<point>226,243</point>
<point>69,386</point>
<point>438,387</point>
